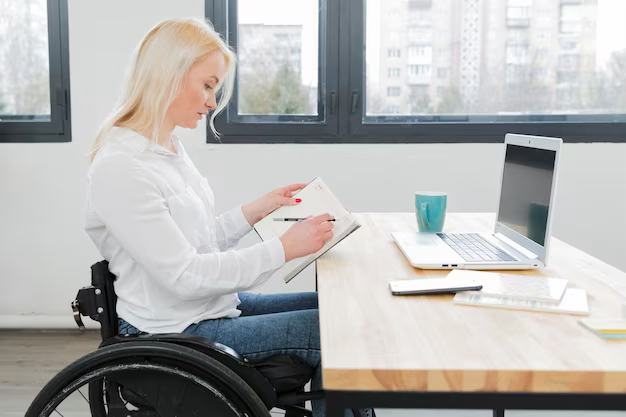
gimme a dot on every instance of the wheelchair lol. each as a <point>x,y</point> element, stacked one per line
<point>168,375</point>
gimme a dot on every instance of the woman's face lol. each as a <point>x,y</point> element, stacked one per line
<point>198,94</point>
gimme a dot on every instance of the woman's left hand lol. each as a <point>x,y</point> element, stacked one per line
<point>263,206</point>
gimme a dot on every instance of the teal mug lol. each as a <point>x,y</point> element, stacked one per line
<point>430,210</point>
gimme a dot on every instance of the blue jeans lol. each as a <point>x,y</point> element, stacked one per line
<point>268,325</point>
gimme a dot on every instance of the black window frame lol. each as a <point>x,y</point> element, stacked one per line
<point>245,129</point>
<point>58,129</point>
<point>345,47</point>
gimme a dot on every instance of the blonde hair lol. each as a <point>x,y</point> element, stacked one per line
<point>163,58</point>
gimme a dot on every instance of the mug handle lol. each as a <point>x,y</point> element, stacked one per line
<point>424,212</point>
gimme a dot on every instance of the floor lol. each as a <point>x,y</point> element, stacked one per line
<point>28,359</point>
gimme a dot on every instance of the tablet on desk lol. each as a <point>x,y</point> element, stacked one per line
<point>432,286</point>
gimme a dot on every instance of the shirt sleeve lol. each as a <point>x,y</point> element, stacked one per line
<point>135,212</point>
<point>232,226</point>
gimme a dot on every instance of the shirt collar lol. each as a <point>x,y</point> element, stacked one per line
<point>141,143</point>
<point>156,148</point>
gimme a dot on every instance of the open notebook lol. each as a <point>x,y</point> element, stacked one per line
<point>316,199</point>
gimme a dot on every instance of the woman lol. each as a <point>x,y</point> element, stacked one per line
<point>151,214</point>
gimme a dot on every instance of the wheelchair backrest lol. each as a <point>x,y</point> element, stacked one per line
<point>103,279</point>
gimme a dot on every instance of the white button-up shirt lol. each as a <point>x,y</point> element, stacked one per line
<point>151,215</point>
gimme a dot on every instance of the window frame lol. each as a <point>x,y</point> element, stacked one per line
<point>58,129</point>
<point>345,58</point>
<point>243,129</point>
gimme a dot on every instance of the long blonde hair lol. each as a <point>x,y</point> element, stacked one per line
<point>162,59</point>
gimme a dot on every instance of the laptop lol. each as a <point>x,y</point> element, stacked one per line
<point>523,222</point>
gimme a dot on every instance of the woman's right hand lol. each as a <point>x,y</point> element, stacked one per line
<point>307,236</point>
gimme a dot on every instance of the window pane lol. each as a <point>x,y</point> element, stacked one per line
<point>278,52</point>
<point>495,59</point>
<point>24,73</point>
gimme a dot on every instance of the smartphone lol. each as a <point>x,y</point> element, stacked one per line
<point>433,286</point>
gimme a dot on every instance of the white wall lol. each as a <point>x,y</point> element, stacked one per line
<point>45,255</point>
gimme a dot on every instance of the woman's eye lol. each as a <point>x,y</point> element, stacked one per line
<point>208,86</point>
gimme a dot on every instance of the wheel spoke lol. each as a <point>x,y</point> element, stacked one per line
<point>83,395</point>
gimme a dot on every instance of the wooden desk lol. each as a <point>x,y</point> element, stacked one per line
<point>373,342</point>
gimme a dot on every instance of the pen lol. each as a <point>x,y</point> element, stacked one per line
<point>293,219</point>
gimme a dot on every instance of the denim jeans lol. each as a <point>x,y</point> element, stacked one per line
<point>268,325</point>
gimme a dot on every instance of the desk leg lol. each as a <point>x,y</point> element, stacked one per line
<point>498,412</point>
<point>334,408</point>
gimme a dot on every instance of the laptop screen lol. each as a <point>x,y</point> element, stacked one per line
<point>526,188</point>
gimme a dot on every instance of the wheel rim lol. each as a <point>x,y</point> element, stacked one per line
<point>98,377</point>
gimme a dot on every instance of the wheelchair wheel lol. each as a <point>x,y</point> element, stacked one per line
<point>147,379</point>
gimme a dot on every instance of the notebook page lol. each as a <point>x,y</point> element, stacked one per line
<point>316,199</point>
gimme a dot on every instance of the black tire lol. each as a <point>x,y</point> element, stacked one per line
<point>165,355</point>
<point>96,399</point>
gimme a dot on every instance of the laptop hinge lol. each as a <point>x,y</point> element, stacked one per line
<point>524,251</point>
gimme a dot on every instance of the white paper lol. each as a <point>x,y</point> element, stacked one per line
<point>516,286</point>
<point>574,301</point>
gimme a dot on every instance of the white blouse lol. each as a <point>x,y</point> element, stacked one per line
<point>151,215</point>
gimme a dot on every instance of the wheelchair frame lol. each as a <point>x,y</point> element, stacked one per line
<point>98,301</point>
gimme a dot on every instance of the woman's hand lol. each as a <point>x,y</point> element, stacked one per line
<point>307,236</point>
<point>263,206</point>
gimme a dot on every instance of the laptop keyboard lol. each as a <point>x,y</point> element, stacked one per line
<point>475,248</point>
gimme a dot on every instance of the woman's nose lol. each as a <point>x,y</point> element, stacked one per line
<point>211,103</point>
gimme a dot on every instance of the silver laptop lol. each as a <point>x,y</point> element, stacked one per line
<point>523,222</point>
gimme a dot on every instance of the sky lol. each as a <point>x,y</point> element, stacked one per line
<point>611,29</point>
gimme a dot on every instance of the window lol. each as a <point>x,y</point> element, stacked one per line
<point>518,16</point>
<point>568,62</point>
<point>421,18</point>
<point>282,65</point>
<point>571,12</point>
<point>571,27</point>
<point>493,92</point>
<point>394,36</point>
<point>570,45</point>
<point>286,81</point>
<point>34,76</point>
<point>393,53</point>
<point>468,77</point>
<point>571,19</point>
<point>393,72</point>
<point>566,77</point>
<point>421,51</point>
<point>517,54</point>
<point>419,34</point>
<point>519,36</point>
<point>518,13</point>
<point>419,70</point>
<point>393,91</point>
<point>417,5</point>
